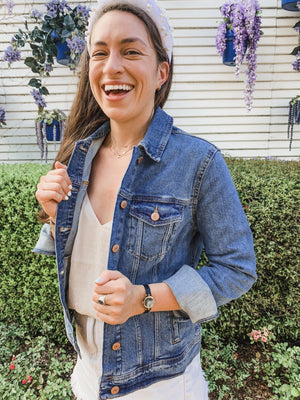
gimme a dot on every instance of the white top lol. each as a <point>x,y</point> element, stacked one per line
<point>89,259</point>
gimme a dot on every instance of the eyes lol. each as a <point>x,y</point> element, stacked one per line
<point>128,53</point>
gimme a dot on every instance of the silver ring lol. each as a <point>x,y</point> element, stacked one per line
<point>101,300</point>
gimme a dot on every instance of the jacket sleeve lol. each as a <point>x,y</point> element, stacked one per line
<point>227,239</point>
<point>46,243</point>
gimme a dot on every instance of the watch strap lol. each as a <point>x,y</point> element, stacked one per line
<point>147,290</point>
<point>148,294</point>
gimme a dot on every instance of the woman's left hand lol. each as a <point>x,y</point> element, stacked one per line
<point>122,298</point>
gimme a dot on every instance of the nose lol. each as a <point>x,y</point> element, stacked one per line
<point>113,64</point>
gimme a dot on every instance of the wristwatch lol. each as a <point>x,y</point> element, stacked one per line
<point>148,300</point>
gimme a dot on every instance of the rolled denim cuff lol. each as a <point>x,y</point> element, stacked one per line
<point>45,244</point>
<point>193,294</point>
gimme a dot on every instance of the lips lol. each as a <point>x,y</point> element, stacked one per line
<point>117,89</point>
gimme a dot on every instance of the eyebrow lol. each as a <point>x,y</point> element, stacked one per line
<point>123,41</point>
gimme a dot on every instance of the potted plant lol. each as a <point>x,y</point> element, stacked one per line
<point>296,51</point>
<point>238,34</point>
<point>2,117</point>
<point>294,117</point>
<point>43,33</point>
<point>290,5</point>
<point>49,127</point>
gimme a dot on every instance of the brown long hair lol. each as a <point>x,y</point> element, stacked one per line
<point>86,115</point>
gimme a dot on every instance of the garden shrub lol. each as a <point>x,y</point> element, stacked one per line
<point>28,282</point>
<point>269,192</point>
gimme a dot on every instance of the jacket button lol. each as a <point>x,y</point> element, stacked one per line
<point>123,204</point>
<point>116,346</point>
<point>115,248</point>
<point>155,215</point>
<point>140,160</point>
<point>115,390</point>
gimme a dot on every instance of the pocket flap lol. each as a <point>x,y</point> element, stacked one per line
<point>156,213</point>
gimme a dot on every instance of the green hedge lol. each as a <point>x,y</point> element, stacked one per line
<point>269,191</point>
<point>28,282</point>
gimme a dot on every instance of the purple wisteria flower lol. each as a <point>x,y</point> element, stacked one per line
<point>48,67</point>
<point>239,23</point>
<point>56,8</point>
<point>38,98</point>
<point>76,45</point>
<point>297,29</point>
<point>298,5</point>
<point>10,5</point>
<point>83,11</point>
<point>2,117</point>
<point>11,55</point>
<point>296,63</point>
<point>220,38</point>
<point>36,14</point>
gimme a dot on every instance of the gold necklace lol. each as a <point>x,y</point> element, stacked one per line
<point>123,154</point>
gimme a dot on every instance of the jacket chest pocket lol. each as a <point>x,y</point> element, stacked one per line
<point>152,228</point>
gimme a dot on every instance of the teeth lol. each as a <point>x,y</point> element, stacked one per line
<point>108,88</point>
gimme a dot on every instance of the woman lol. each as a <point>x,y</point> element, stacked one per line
<point>130,215</point>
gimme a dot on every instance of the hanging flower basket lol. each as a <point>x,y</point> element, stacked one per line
<point>2,117</point>
<point>52,131</point>
<point>237,37</point>
<point>49,127</point>
<point>229,54</point>
<point>289,5</point>
<point>294,118</point>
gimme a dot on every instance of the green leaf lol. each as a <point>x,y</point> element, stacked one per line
<point>31,62</point>
<point>35,83</point>
<point>43,90</point>
<point>295,51</point>
<point>295,392</point>
<point>297,24</point>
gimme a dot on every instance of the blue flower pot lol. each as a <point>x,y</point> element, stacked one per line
<point>62,53</point>
<point>289,5</point>
<point>297,112</point>
<point>229,52</point>
<point>62,49</point>
<point>50,136</point>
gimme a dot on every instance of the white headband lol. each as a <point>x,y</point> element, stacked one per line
<point>151,7</point>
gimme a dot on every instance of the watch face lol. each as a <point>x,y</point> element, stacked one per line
<point>149,301</point>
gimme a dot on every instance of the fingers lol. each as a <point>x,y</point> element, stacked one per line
<point>117,289</point>
<point>54,188</point>
<point>122,298</point>
<point>58,165</point>
<point>107,276</point>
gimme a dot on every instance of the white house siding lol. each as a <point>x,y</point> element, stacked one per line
<point>206,99</point>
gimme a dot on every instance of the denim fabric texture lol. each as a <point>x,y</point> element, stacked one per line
<point>186,181</point>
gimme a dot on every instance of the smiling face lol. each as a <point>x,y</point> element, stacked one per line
<point>124,72</point>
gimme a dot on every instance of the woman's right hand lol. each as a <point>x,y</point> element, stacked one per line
<point>53,188</point>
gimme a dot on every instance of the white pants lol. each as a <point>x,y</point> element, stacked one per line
<point>191,385</point>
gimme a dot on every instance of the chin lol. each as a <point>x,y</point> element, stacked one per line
<point>117,114</point>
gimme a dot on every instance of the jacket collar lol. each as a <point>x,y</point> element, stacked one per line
<point>156,137</point>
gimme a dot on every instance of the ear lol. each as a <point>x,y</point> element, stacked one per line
<point>163,73</point>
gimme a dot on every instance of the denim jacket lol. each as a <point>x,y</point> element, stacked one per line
<point>185,180</point>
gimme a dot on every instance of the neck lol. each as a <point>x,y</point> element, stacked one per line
<point>129,133</point>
